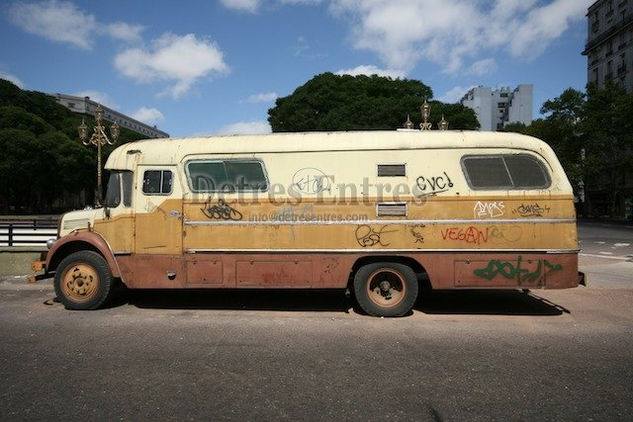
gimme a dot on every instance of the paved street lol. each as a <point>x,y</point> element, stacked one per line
<point>607,254</point>
<point>554,355</point>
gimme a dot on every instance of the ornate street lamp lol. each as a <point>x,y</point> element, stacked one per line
<point>426,112</point>
<point>99,139</point>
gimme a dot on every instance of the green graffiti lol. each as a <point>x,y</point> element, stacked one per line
<point>510,271</point>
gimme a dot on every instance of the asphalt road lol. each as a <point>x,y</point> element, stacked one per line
<point>547,355</point>
<point>607,254</point>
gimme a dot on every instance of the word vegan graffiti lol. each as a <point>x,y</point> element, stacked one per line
<point>477,236</point>
<point>469,235</point>
<point>511,271</point>
<point>221,211</point>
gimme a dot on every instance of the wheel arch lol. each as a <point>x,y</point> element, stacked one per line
<point>82,241</point>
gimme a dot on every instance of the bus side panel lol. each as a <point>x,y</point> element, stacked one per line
<point>516,270</point>
<point>269,270</point>
<point>144,271</point>
<point>469,270</point>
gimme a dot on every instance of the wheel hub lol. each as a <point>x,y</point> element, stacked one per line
<point>80,282</point>
<point>386,287</point>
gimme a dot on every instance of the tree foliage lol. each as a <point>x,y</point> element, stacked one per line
<point>592,134</point>
<point>43,166</point>
<point>344,102</point>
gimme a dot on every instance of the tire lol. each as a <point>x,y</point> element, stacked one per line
<point>83,281</point>
<point>386,289</point>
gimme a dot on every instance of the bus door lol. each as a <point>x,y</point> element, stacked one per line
<point>158,229</point>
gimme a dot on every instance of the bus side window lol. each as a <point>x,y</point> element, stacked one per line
<point>157,182</point>
<point>505,172</point>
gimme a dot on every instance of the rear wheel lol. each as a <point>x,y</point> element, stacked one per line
<point>386,288</point>
<point>83,280</point>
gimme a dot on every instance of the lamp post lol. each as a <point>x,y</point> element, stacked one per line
<point>98,139</point>
<point>426,112</point>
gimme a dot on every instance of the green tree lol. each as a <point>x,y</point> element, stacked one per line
<point>592,134</point>
<point>42,160</point>
<point>607,127</point>
<point>563,130</point>
<point>344,102</point>
<point>18,166</point>
<point>18,118</point>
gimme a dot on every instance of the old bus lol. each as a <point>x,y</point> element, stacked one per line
<point>377,213</point>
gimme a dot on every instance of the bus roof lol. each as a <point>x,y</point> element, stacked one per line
<point>170,151</point>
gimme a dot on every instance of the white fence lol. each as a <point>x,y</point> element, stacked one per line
<point>26,232</point>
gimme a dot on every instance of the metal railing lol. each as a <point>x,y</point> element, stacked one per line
<point>31,232</point>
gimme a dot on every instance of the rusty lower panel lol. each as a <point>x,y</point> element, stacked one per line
<point>332,270</point>
<point>274,273</point>
<point>152,271</point>
<point>218,270</point>
<point>551,271</point>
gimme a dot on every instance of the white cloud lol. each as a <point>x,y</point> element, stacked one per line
<point>545,24</point>
<point>294,2</point>
<point>58,21</point>
<point>62,21</point>
<point>370,70</point>
<point>255,127</point>
<point>483,67</point>
<point>150,116</point>
<point>12,78</point>
<point>124,31</point>
<point>242,5</point>
<point>181,60</point>
<point>265,97</point>
<point>98,96</point>
<point>455,94</point>
<point>251,6</point>
<point>455,32</point>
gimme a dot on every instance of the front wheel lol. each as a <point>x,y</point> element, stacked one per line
<point>386,288</point>
<point>83,280</point>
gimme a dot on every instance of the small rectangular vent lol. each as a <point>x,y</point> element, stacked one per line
<point>391,209</point>
<point>392,170</point>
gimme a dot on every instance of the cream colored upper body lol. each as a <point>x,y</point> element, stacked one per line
<point>350,187</point>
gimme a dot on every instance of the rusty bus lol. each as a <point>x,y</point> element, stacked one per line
<point>378,213</point>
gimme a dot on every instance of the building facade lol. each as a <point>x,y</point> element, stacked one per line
<point>84,105</point>
<point>609,47</point>
<point>496,108</point>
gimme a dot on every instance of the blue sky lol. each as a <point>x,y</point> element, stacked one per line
<point>216,66</point>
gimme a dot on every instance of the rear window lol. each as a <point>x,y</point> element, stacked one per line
<point>227,176</point>
<point>503,172</point>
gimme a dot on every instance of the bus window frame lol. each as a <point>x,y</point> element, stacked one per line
<point>541,164</point>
